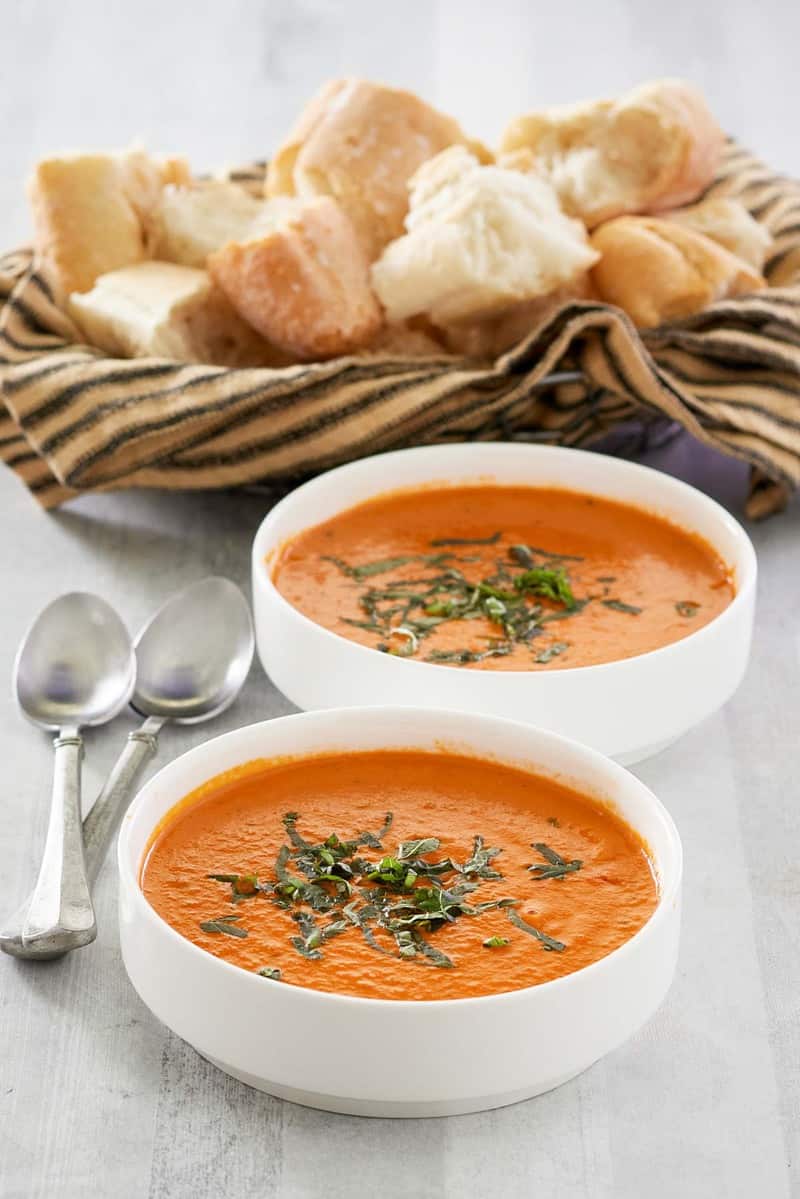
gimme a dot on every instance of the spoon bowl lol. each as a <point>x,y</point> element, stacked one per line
<point>76,666</point>
<point>194,654</point>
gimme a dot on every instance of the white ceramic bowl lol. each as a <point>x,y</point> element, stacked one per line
<point>387,1057</point>
<point>628,709</point>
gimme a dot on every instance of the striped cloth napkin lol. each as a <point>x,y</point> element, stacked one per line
<point>73,421</point>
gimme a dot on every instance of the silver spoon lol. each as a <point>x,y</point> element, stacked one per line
<point>74,668</point>
<point>193,657</point>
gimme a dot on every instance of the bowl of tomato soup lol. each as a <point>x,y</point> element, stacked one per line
<point>301,899</point>
<point>591,596</point>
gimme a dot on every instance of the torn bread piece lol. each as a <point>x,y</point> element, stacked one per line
<point>653,148</point>
<point>161,310</point>
<point>480,239</point>
<point>194,221</point>
<point>93,213</point>
<point>304,285</point>
<point>726,221</point>
<point>360,142</point>
<point>659,271</point>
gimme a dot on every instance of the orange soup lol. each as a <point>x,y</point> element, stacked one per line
<point>398,874</point>
<point>503,578</point>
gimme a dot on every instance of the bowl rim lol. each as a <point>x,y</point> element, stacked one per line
<point>128,873</point>
<point>263,576</point>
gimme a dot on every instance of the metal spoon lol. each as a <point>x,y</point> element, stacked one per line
<point>74,668</point>
<point>193,657</point>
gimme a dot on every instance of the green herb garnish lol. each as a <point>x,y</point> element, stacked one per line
<point>547,942</point>
<point>225,924</point>
<point>328,888</point>
<point>243,886</point>
<point>443,541</point>
<point>687,608</point>
<point>553,584</point>
<point>619,606</point>
<point>368,569</point>
<point>551,652</point>
<point>557,866</point>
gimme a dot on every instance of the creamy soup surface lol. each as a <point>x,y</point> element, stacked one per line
<point>503,578</point>
<point>398,874</point>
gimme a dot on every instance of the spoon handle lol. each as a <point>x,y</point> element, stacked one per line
<point>61,915</point>
<point>104,817</point>
<point>98,830</point>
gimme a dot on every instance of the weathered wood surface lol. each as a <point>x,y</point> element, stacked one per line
<point>96,1097</point>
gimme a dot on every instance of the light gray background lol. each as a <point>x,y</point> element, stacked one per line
<point>96,1098</point>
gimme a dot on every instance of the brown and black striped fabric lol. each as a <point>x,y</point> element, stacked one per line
<point>73,421</point>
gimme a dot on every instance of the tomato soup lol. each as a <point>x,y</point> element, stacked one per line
<point>503,578</point>
<point>398,874</point>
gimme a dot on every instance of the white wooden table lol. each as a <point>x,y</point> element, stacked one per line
<point>96,1097</point>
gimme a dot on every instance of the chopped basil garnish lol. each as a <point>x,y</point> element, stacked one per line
<point>619,606</point>
<point>556,866</point>
<point>223,925</point>
<point>398,899</point>
<point>495,942</point>
<point>547,942</point>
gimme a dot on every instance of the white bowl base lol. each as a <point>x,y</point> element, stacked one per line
<point>344,1106</point>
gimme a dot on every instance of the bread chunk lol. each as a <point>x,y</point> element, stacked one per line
<point>654,148</point>
<point>480,239</point>
<point>94,213</point>
<point>360,143</point>
<point>658,271</point>
<point>195,221</point>
<point>305,285</point>
<point>727,222</point>
<point>161,310</point>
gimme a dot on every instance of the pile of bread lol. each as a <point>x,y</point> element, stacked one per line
<point>382,228</point>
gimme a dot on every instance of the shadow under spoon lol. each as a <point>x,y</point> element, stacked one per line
<point>193,657</point>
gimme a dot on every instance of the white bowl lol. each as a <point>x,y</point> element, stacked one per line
<point>383,1057</point>
<point>628,709</point>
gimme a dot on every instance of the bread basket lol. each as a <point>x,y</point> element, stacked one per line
<point>74,421</point>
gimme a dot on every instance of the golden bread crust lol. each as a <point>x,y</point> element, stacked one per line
<point>658,271</point>
<point>304,285</point>
<point>656,147</point>
<point>162,310</point>
<point>726,221</point>
<point>94,213</point>
<point>360,142</point>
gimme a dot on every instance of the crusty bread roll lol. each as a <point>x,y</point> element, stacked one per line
<point>160,310</point>
<point>480,239</point>
<point>361,142</point>
<point>305,285</point>
<point>654,148</point>
<point>492,336</point>
<point>93,213</point>
<point>727,221</point>
<point>192,222</point>
<point>659,271</point>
